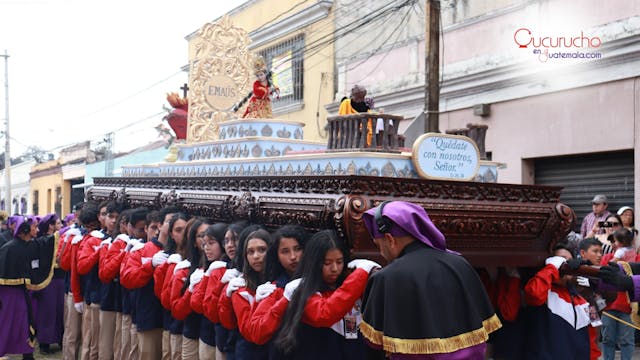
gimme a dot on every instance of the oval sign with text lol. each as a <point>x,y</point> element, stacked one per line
<point>220,92</point>
<point>445,157</point>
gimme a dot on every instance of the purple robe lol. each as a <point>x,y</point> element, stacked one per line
<point>14,339</point>
<point>49,313</point>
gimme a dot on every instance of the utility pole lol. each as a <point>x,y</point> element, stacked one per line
<point>108,161</point>
<point>7,143</point>
<point>432,66</point>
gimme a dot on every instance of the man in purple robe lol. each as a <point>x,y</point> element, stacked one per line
<point>26,264</point>
<point>428,302</point>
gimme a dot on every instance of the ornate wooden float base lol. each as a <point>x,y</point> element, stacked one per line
<point>489,224</point>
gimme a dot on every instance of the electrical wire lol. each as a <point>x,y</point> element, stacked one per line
<point>133,95</point>
<point>385,55</point>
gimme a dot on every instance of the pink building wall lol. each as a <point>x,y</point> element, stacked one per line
<point>591,119</point>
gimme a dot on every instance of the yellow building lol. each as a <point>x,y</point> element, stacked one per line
<point>51,183</point>
<point>47,188</point>
<point>296,41</point>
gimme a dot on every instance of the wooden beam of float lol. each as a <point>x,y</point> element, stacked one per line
<point>490,224</point>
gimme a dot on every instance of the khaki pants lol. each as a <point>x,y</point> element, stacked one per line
<point>90,331</point>
<point>206,352</point>
<point>107,333</point>
<point>189,349</point>
<point>176,346</point>
<point>125,346</point>
<point>220,355</point>
<point>166,345</point>
<point>117,339</point>
<point>135,349</point>
<point>150,344</point>
<point>72,339</point>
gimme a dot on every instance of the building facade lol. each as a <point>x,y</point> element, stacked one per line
<point>555,81</point>
<point>51,183</point>
<point>20,190</point>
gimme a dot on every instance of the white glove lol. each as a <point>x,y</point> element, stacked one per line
<point>364,264</point>
<point>619,253</point>
<point>291,287</point>
<point>123,237</point>
<point>70,234</point>
<point>264,290</point>
<point>195,278</point>
<point>159,258</point>
<point>79,306</point>
<point>582,281</point>
<point>106,242</point>
<point>229,274</point>
<point>131,243</point>
<point>76,239</point>
<point>215,265</point>
<point>235,284</point>
<point>556,261</point>
<point>174,258</point>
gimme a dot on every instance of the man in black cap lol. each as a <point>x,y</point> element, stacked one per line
<point>590,222</point>
<point>428,303</point>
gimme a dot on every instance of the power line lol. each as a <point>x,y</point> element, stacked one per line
<point>133,95</point>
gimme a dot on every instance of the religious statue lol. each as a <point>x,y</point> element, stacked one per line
<point>260,103</point>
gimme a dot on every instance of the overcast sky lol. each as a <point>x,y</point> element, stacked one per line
<point>79,69</point>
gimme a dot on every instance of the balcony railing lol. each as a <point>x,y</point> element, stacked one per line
<point>350,132</point>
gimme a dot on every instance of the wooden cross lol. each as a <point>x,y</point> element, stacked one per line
<point>184,89</point>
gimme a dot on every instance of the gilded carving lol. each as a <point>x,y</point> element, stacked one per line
<point>220,54</point>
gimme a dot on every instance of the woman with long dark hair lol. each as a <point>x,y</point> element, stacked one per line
<point>213,249</point>
<point>162,276</point>
<point>186,271</point>
<point>240,292</point>
<point>283,261</point>
<point>323,314</point>
<point>225,339</point>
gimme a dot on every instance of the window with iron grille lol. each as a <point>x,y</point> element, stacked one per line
<point>285,61</point>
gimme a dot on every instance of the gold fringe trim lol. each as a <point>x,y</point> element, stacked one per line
<point>431,346</point>
<point>14,282</point>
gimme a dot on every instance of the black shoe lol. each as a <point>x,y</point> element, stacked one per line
<point>46,349</point>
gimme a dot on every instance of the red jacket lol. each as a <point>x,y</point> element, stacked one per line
<point>225,310</point>
<point>165,297</point>
<point>243,301</point>
<point>266,318</point>
<point>329,307</point>
<point>158,279</point>
<point>138,270</point>
<point>76,287</point>
<point>621,303</point>
<point>89,254</point>
<point>180,307</point>
<point>110,260</point>
<point>197,298</point>
<point>212,295</point>
<point>64,249</point>
<point>504,294</point>
<point>538,290</point>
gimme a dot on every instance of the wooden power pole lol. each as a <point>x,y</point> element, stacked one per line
<point>432,66</point>
<point>7,153</point>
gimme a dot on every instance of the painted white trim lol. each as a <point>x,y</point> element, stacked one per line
<point>289,108</point>
<point>289,25</point>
